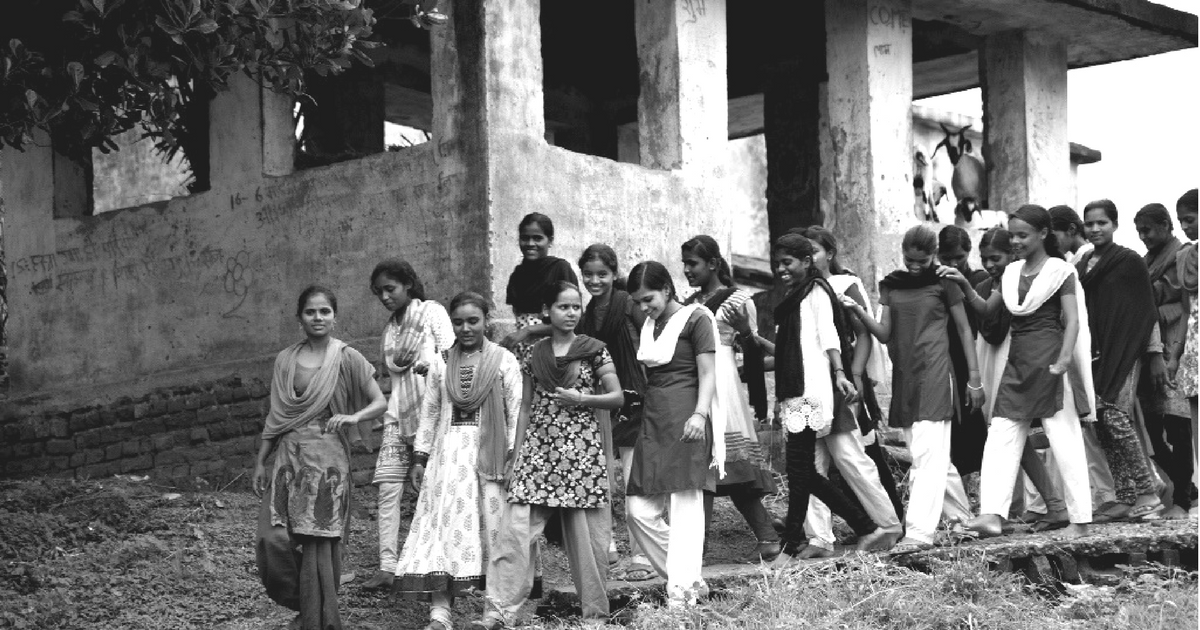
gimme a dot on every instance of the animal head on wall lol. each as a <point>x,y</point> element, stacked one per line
<point>969,181</point>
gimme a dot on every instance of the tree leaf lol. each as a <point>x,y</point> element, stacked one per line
<point>99,6</point>
<point>206,26</point>
<point>31,98</point>
<point>106,58</point>
<point>75,70</point>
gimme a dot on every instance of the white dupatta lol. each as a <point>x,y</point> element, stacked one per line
<point>656,352</point>
<point>993,359</point>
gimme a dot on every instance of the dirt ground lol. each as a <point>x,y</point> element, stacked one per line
<point>127,553</point>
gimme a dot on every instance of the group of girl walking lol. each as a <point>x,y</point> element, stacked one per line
<point>507,441</point>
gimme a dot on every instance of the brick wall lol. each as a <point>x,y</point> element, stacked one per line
<point>208,430</point>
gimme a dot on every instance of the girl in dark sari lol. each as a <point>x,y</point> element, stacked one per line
<point>320,390</point>
<point>1120,304</point>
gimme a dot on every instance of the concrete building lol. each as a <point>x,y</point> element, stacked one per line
<point>141,339</point>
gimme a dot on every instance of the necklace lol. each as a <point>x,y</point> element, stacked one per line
<point>467,355</point>
<point>1027,273</point>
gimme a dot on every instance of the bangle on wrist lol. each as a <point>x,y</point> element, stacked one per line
<point>702,414</point>
<point>836,370</point>
<point>975,388</point>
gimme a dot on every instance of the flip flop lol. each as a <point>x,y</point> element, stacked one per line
<point>908,546</point>
<point>636,573</point>
<point>1045,525</point>
<point>1147,512</point>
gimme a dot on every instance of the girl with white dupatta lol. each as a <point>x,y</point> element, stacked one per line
<point>1041,370</point>
<point>681,440</point>
<point>416,334</point>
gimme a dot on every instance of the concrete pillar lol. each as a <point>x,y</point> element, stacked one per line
<point>1024,77</point>
<point>683,110</point>
<point>236,135</point>
<point>278,133</point>
<point>869,61</point>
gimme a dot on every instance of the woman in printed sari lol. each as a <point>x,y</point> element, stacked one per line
<point>1182,366</point>
<point>1168,414</point>
<point>468,427</point>
<point>321,389</point>
<point>748,478</point>
<point>416,334</point>
<point>1122,317</point>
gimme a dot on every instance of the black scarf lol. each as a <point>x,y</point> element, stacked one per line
<point>901,279</point>
<point>993,329</point>
<point>1121,314</point>
<point>789,358</point>
<point>531,279</point>
<point>621,335</point>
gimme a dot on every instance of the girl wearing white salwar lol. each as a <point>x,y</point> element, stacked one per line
<point>467,430</point>
<point>1041,370</point>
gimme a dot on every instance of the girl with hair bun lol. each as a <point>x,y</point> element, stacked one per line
<point>417,331</point>
<point>747,476</point>
<point>916,308</point>
<point>467,429</point>
<point>1045,371</point>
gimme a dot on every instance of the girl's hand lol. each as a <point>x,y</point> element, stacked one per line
<point>846,387</point>
<point>950,273</point>
<point>975,396</point>
<point>1158,373</point>
<point>421,368</point>
<point>514,338</point>
<point>858,385</point>
<point>416,474</point>
<point>693,431</point>
<point>402,360</point>
<point>740,322</point>
<point>568,397</point>
<point>1172,370</point>
<point>851,304</point>
<point>340,421</point>
<point>1060,367</point>
<point>259,479</point>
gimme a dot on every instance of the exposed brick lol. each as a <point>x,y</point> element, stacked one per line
<point>96,471</point>
<point>142,462</point>
<point>78,459</point>
<point>198,435</point>
<point>88,439</point>
<point>59,428</point>
<point>141,410</point>
<point>241,393</point>
<point>93,456</point>
<point>209,415</point>
<point>11,432</point>
<point>113,451</point>
<point>158,407</point>
<point>175,405</point>
<point>180,420</point>
<point>168,458</point>
<point>131,447</point>
<point>258,389</point>
<point>150,426</point>
<point>58,464</point>
<point>163,442</point>
<point>224,395</point>
<point>247,409</point>
<point>60,447</point>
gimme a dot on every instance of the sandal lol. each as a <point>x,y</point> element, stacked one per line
<point>381,579</point>
<point>487,623</point>
<point>1045,525</point>
<point>765,551</point>
<point>1147,512</point>
<point>908,545</point>
<point>636,573</point>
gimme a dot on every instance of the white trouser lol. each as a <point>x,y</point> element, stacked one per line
<point>389,525</point>
<point>636,555</point>
<point>859,470</point>
<point>675,551</point>
<point>1002,458</point>
<point>934,485</point>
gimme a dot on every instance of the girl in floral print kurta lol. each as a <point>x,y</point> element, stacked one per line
<point>559,467</point>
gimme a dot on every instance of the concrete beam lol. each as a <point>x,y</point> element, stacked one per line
<point>236,135</point>
<point>1025,120</point>
<point>869,60</point>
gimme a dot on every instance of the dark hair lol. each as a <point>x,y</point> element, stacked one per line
<point>828,242</point>
<point>922,238</point>
<point>1154,213</point>
<point>399,270</point>
<point>952,235</point>
<point>651,275</point>
<point>1039,219</point>
<point>469,298</point>
<point>1187,200</point>
<point>997,238</point>
<point>556,289</point>
<point>311,290</point>
<point>796,245</point>
<point>1109,208</point>
<point>1063,218</point>
<point>707,249</point>
<point>542,221</point>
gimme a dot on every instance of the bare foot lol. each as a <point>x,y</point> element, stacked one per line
<point>1074,530</point>
<point>813,551</point>
<point>879,540</point>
